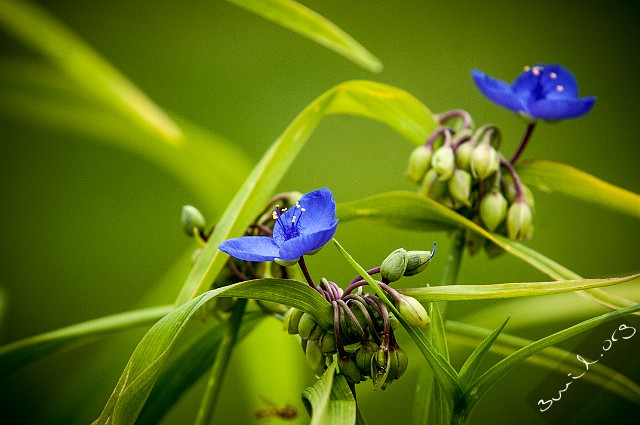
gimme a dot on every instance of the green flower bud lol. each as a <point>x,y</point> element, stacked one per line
<point>364,355</point>
<point>519,221</point>
<point>291,320</point>
<point>192,220</point>
<point>394,266</point>
<point>315,358</point>
<point>460,187</point>
<point>308,328</point>
<point>493,209</point>
<point>412,311</point>
<point>381,365</point>
<point>484,161</point>
<point>432,185</point>
<point>463,155</point>
<point>403,362</point>
<point>444,161</point>
<point>510,193</point>
<point>417,261</point>
<point>419,163</point>
<point>327,343</point>
<point>350,370</point>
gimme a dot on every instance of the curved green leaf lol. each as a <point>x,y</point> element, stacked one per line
<point>44,33</point>
<point>550,358</point>
<point>410,210</point>
<point>304,21</point>
<point>330,400</point>
<point>387,104</point>
<point>17,354</point>
<point>481,386</point>
<point>507,290</point>
<point>548,176</point>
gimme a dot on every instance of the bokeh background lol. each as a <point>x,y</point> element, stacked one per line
<point>87,229</point>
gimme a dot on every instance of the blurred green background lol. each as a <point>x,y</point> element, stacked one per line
<point>87,228</point>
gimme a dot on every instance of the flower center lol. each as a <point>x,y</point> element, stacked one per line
<point>289,228</point>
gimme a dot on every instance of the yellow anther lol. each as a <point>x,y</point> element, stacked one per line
<point>536,71</point>
<point>274,215</point>
<point>302,209</point>
<point>297,205</point>
<point>293,220</point>
<point>553,75</point>
<point>527,68</point>
<point>559,88</point>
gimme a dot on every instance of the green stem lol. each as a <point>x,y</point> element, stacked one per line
<point>219,367</point>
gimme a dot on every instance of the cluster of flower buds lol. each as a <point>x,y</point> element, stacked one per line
<point>362,336</point>
<point>464,170</point>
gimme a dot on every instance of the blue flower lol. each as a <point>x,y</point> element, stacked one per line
<point>302,229</point>
<point>546,92</point>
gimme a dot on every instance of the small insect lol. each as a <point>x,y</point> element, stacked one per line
<point>274,411</point>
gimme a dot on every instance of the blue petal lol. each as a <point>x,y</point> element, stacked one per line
<point>251,248</point>
<point>297,247</point>
<point>559,109</point>
<point>320,211</point>
<point>563,78</point>
<point>499,92</point>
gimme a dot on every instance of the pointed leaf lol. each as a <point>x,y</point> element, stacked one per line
<point>37,28</point>
<point>316,397</point>
<point>304,21</point>
<point>471,365</point>
<point>548,176</point>
<point>387,104</point>
<point>481,386</point>
<point>507,290</point>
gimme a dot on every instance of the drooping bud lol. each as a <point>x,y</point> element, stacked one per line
<point>192,220</point>
<point>460,187</point>
<point>419,163</point>
<point>394,266</point>
<point>432,185</point>
<point>315,358</point>
<point>403,361</point>
<point>519,221</point>
<point>381,367</point>
<point>327,343</point>
<point>291,320</point>
<point>485,160</point>
<point>493,209</point>
<point>417,261</point>
<point>350,370</point>
<point>463,155</point>
<point>364,355</point>
<point>308,328</point>
<point>412,311</point>
<point>444,161</point>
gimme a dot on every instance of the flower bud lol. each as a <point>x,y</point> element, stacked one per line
<point>291,320</point>
<point>381,366</point>
<point>412,311</point>
<point>417,261</point>
<point>484,161</point>
<point>394,266</point>
<point>444,161</point>
<point>327,343</point>
<point>364,355</point>
<point>460,186</point>
<point>519,221</point>
<point>463,155</point>
<point>419,162</point>
<point>403,361</point>
<point>493,209</point>
<point>308,328</point>
<point>350,370</point>
<point>432,186</point>
<point>192,220</point>
<point>316,360</point>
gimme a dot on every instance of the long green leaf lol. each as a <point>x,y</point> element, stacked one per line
<point>37,28</point>
<point>183,370</point>
<point>304,21</point>
<point>387,104</point>
<point>481,386</point>
<point>410,210</point>
<point>151,354</point>
<point>445,373</point>
<point>316,397</point>
<point>508,290</point>
<point>550,358</point>
<point>548,176</point>
<point>19,353</point>
<point>472,363</point>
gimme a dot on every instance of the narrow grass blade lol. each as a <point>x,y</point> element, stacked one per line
<point>17,354</point>
<point>548,176</point>
<point>387,104</point>
<point>481,386</point>
<point>316,397</point>
<point>306,22</point>
<point>471,365</point>
<point>35,27</point>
